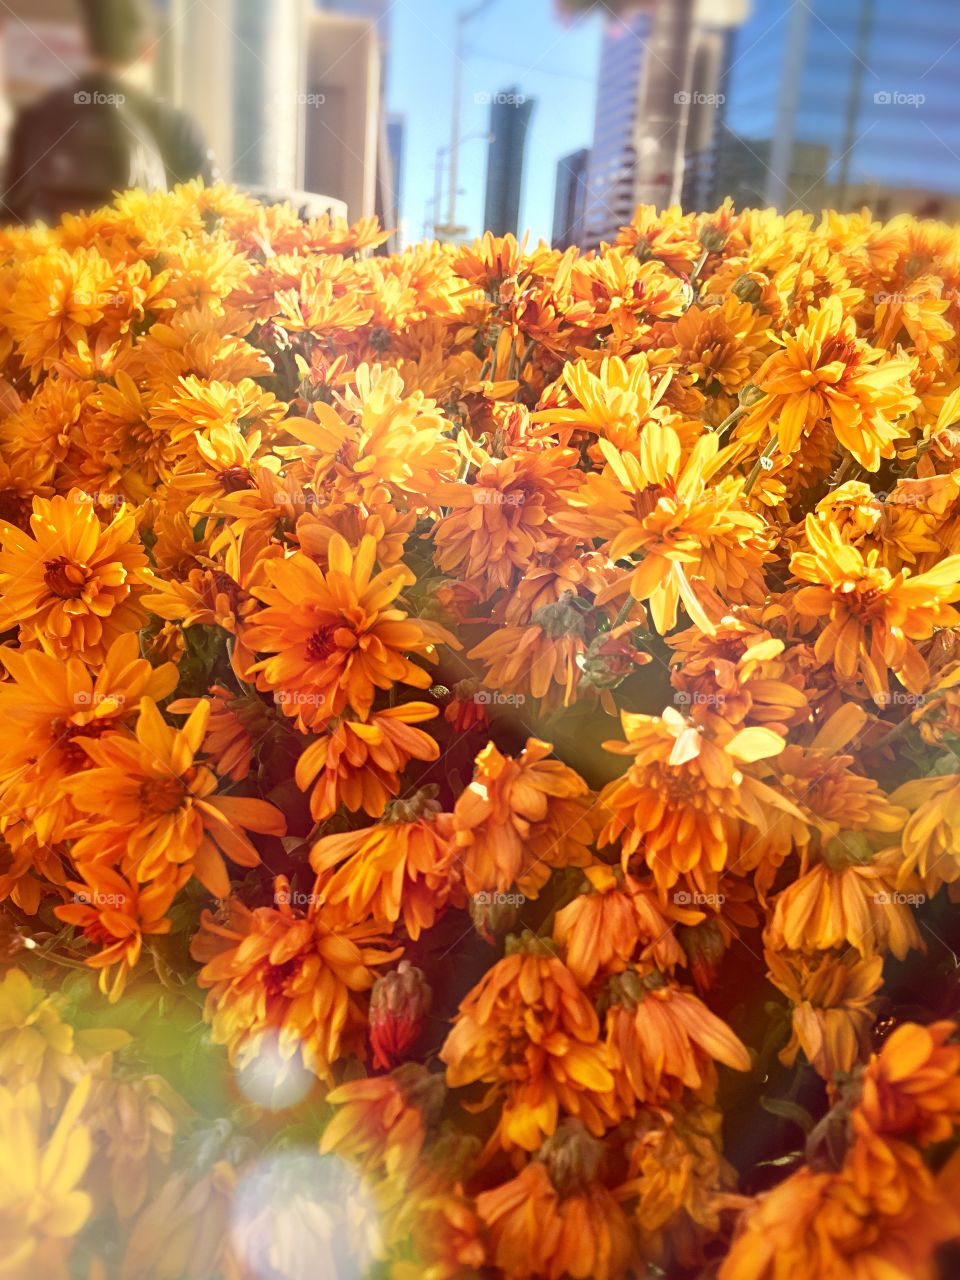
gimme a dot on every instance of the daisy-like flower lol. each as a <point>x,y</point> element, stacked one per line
<point>382,1122</point>
<point>396,451</point>
<point>358,764</point>
<point>661,1040</point>
<point>335,637</point>
<point>668,236</point>
<point>600,932</point>
<point>825,371</point>
<point>850,898</point>
<point>660,510</point>
<point>834,1006</point>
<point>529,1033</point>
<point>73,584</point>
<point>556,1218</point>
<point>404,867</point>
<point>721,346</point>
<point>913,1084</point>
<point>930,836</point>
<point>816,1224</point>
<point>677,1183</point>
<point>492,528</point>
<point>519,818</point>
<point>134,1124</point>
<point>116,913</point>
<point>281,980</point>
<point>147,803</point>
<point>52,705</point>
<point>42,1205</point>
<point>677,805</point>
<point>37,1047</point>
<point>614,401</point>
<point>872,618</point>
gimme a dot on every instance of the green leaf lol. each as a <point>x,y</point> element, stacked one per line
<point>789,1111</point>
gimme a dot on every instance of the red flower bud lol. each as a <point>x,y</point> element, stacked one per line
<point>398,1005</point>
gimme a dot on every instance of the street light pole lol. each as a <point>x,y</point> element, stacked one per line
<point>463,17</point>
<point>448,228</point>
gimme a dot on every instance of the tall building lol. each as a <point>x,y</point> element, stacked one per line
<point>343,123</point>
<point>386,194</point>
<point>844,103</point>
<point>510,113</point>
<point>611,171</point>
<point>570,198</point>
<point>657,107</point>
<point>396,147</point>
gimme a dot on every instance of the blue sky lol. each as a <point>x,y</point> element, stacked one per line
<point>518,43</point>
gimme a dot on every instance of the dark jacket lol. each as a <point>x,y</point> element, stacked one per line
<point>64,118</point>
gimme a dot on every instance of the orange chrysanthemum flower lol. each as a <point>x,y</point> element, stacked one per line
<point>661,1040</point>
<point>913,1085</point>
<point>284,981</point>
<point>826,371</point>
<point>334,638</point>
<point>74,584</point>
<point>529,1033</point>
<point>873,617</point>
<point>150,806</point>
<point>668,510</point>
<point>675,804</point>
<point>556,1218</point>
<point>492,529</point>
<point>602,931</point>
<point>50,705</point>
<point>519,818</point>
<point>850,898</point>
<point>115,913</point>
<point>404,867</point>
<point>358,764</point>
<point>834,1006</point>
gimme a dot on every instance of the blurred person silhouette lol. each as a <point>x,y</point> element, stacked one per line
<point>81,143</point>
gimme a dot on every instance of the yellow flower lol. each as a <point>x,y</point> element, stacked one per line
<point>826,371</point>
<point>872,617</point>
<point>38,1047</point>
<point>41,1206</point>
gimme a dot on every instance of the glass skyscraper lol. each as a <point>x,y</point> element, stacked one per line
<point>844,103</point>
<point>610,173</point>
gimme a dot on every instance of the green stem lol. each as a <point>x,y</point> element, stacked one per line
<point>758,465</point>
<point>741,411</point>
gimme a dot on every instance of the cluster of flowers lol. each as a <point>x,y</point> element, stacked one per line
<point>509,699</point>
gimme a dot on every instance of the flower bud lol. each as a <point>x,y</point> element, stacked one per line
<point>572,1157</point>
<point>705,948</point>
<point>398,1005</point>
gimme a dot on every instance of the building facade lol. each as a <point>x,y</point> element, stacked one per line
<point>844,103</point>
<point>570,198</point>
<point>510,113</point>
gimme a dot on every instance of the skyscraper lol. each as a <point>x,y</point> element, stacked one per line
<point>844,102</point>
<point>570,198</point>
<point>611,167</point>
<point>657,99</point>
<point>510,113</point>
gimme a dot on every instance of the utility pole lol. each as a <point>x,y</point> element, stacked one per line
<point>463,17</point>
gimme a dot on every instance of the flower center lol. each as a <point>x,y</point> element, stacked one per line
<point>277,976</point>
<point>321,644</point>
<point>234,479</point>
<point>159,796</point>
<point>64,579</point>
